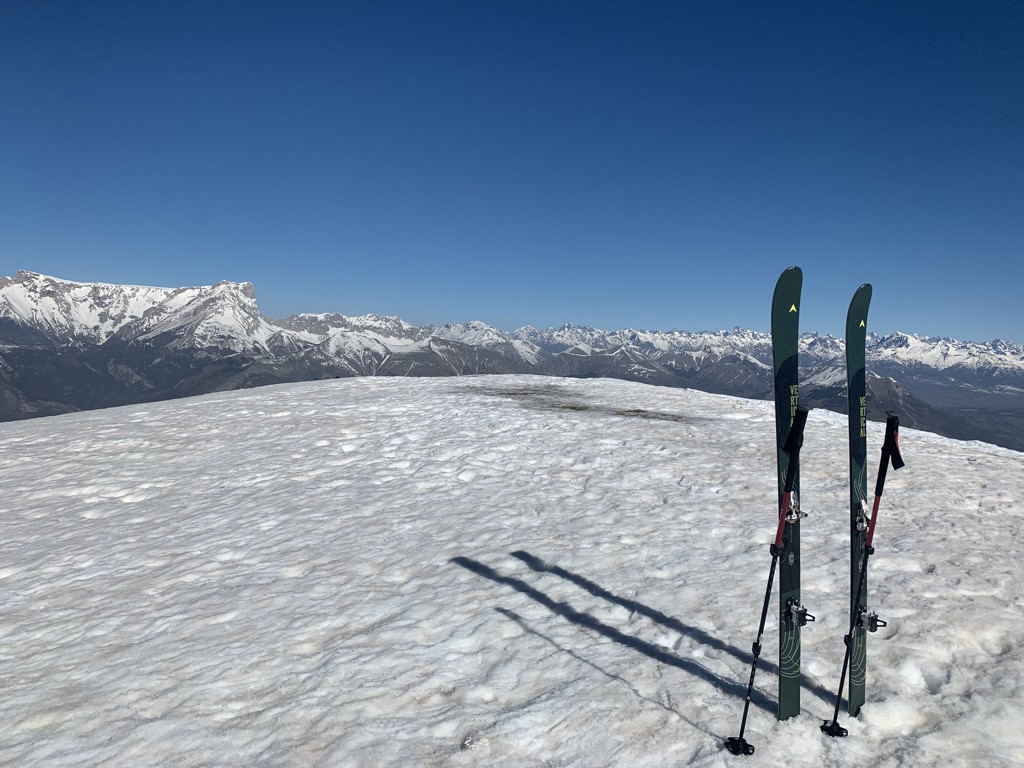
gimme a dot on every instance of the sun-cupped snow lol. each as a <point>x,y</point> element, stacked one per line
<point>503,571</point>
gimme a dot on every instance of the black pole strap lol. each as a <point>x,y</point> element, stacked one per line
<point>890,450</point>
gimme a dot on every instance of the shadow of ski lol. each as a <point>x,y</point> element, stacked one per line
<point>536,564</point>
<point>629,641</point>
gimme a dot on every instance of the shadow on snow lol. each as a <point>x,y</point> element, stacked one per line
<point>664,620</point>
<point>650,650</point>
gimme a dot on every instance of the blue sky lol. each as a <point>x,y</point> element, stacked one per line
<point>641,164</point>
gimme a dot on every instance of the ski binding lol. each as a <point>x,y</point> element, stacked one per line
<point>871,619</point>
<point>798,613</point>
<point>862,518</point>
<point>795,515</point>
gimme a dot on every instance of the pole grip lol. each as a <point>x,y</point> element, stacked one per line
<point>890,454</point>
<point>890,451</point>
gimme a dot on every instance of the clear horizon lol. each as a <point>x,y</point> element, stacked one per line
<point>567,323</point>
<point>611,164</point>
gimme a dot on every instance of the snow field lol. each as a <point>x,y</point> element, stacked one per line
<point>510,571</point>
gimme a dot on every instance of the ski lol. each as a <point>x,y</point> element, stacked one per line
<point>864,618</point>
<point>794,440</point>
<point>856,337</point>
<point>790,419</point>
<point>792,615</point>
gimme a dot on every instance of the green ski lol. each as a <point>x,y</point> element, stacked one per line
<point>856,336</point>
<point>792,615</point>
<point>890,456</point>
<point>790,419</point>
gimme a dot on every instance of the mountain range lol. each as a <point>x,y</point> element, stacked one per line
<point>67,346</point>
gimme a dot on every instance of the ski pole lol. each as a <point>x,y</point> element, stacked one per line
<point>737,744</point>
<point>890,453</point>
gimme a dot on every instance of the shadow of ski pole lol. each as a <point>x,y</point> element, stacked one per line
<point>629,641</point>
<point>667,706</point>
<point>536,564</point>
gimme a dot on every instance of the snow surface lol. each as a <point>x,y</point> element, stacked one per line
<point>501,571</point>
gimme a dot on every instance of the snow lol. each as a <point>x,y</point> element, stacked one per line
<point>507,571</point>
<point>223,315</point>
<point>943,353</point>
<point>94,310</point>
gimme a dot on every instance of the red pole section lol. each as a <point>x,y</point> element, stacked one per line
<point>782,519</point>
<point>794,441</point>
<point>890,453</point>
<point>874,517</point>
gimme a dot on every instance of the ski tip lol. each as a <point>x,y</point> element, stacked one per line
<point>790,281</point>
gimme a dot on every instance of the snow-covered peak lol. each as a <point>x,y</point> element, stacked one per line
<point>821,346</point>
<point>474,332</point>
<point>567,337</point>
<point>897,340</point>
<point>224,315</point>
<point>328,324</point>
<point>479,334</point>
<point>68,311</point>
<point>943,353</point>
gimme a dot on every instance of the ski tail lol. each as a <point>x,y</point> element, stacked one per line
<point>890,455</point>
<point>737,744</point>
